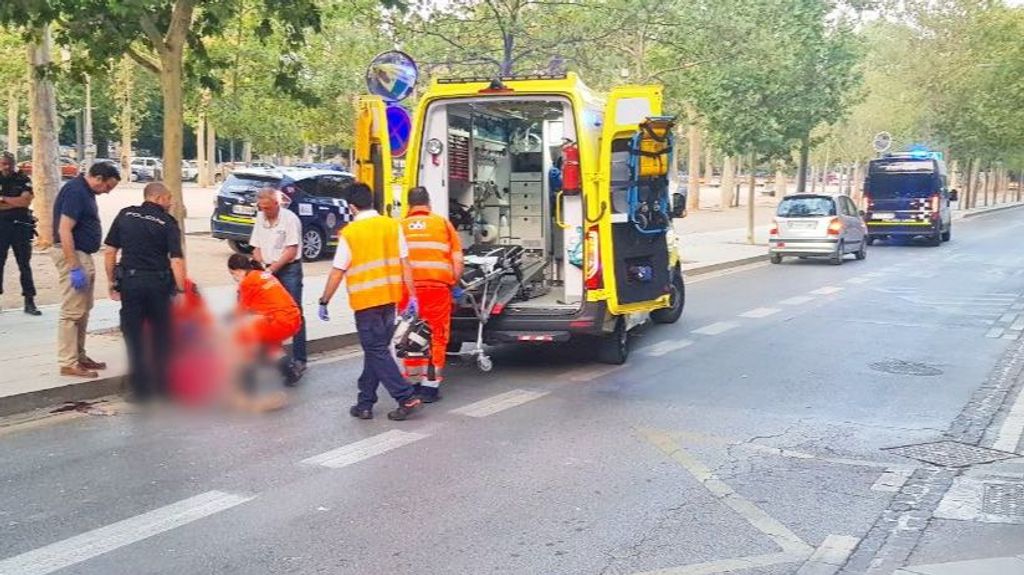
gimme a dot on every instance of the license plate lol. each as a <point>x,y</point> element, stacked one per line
<point>243,210</point>
<point>883,216</point>
<point>802,225</point>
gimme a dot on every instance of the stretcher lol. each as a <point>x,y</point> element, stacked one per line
<point>493,277</point>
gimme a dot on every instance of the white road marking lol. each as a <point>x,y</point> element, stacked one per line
<point>859,280</point>
<point>995,332</point>
<point>797,300</point>
<point>94,543</point>
<point>758,313</point>
<point>892,480</point>
<point>716,328</point>
<point>364,449</point>
<point>1018,325</point>
<point>829,556</point>
<point>730,565</point>
<point>790,542</point>
<point>665,347</point>
<point>590,372</point>
<point>827,290</point>
<point>1008,318</point>
<point>1012,428</point>
<point>499,402</point>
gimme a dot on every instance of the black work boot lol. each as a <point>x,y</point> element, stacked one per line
<point>405,409</point>
<point>30,306</point>
<point>290,371</point>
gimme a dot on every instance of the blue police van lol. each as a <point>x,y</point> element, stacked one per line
<point>318,197</point>
<point>907,196</point>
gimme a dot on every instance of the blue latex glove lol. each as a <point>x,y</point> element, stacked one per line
<point>458,292</point>
<point>323,314</point>
<point>414,306</point>
<point>78,279</point>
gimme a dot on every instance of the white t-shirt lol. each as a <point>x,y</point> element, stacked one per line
<point>273,239</point>
<point>343,255</point>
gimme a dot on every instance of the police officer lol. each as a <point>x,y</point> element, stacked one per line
<point>17,227</point>
<point>151,271</point>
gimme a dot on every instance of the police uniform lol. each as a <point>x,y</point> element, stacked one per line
<point>148,238</point>
<point>17,227</point>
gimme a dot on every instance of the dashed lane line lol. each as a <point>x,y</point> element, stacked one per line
<point>1012,427</point>
<point>730,565</point>
<point>716,328</point>
<point>666,347</point>
<point>761,312</point>
<point>103,540</point>
<point>830,556</point>
<point>364,449</point>
<point>797,300</point>
<point>499,403</point>
<point>859,280</point>
<point>827,290</point>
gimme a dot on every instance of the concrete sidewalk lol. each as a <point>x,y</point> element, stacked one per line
<point>30,379</point>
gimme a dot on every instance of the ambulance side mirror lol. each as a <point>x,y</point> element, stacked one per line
<point>678,205</point>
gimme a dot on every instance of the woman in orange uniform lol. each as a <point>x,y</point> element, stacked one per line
<point>268,315</point>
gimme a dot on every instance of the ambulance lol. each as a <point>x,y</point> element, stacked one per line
<point>577,185</point>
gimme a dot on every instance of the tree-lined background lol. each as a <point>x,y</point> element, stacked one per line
<point>761,86</point>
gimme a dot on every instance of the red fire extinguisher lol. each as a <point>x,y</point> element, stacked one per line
<point>570,167</point>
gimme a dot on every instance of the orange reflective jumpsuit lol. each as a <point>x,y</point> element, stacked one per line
<point>275,317</point>
<point>433,242</point>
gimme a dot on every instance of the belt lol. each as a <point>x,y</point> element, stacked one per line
<point>146,273</point>
<point>288,265</point>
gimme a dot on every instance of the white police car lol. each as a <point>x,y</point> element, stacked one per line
<point>318,197</point>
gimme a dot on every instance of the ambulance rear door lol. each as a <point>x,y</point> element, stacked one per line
<point>635,266</point>
<point>373,151</point>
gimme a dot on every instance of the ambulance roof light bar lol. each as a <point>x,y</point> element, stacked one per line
<point>500,79</point>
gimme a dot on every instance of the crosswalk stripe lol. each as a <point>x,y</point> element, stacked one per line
<point>364,449</point>
<point>665,347</point>
<point>761,312</point>
<point>797,300</point>
<point>827,290</point>
<point>499,402</point>
<point>94,543</point>
<point>715,328</point>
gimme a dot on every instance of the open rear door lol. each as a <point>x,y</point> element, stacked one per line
<point>635,265</point>
<point>373,151</point>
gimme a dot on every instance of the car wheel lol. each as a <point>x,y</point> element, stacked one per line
<point>935,239</point>
<point>776,258</point>
<point>240,247</point>
<point>862,253</point>
<point>614,347</point>
<point>948,234</point>
<point>837,257</point>
<point>677,301</point>
<point>870,240</point>
<point>313,244</point>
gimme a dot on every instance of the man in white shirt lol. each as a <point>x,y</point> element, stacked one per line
<point>277,243</point>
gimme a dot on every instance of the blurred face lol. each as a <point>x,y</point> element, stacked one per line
<point>165,201</point>
<point>100,185</point>
<point>6,165</point>
<point>237,275</point>
<point>268,204</point>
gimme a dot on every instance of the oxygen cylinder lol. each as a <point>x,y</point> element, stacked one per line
<point>570,167</point>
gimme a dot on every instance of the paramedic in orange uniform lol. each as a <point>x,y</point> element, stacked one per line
<point>435,255</point>
<point>269,314</point>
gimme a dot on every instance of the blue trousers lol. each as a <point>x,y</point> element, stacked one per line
<point>290,277</point>
<point>376,327</point>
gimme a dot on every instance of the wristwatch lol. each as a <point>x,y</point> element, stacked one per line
<point>322,301</point>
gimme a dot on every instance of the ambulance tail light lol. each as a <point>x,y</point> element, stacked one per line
<point>835,227</point>
<point>594,281</point>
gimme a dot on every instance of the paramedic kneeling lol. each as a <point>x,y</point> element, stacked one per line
<point>373,255</point>
<point>435,255</point>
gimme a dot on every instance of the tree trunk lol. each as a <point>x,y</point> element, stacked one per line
<point>1020,184</point>
<point>972,183</point>
<point>693,138</point>
<point>12,120</point>
<point>857,183</point>
<point>728,189</point>
<point>204,170</point>
<point>247,152</point>
<point>781,184</point>
<point>211,151</point>
<point>170,86</point>
<point>90,142</point>
<point>751,188</point>
<point>814,179</point>
<point>127,130</point>
<point>709,165</point>
<point>45,148</point>
<point>801,176</point>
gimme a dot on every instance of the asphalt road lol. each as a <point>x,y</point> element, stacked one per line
<point>750,437</point>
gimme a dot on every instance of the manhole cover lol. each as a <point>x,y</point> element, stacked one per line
<point>950,453</point>
<point>901,367</point>
<point>1005,499</point>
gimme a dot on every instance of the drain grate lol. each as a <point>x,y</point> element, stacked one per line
<point>950,453</point>
<point>901,367</point>
<point>1006,499</point>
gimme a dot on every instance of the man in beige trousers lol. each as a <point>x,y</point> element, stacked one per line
<point>76,237</point>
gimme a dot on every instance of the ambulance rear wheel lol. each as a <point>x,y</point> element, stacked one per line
<point>614,347</point>
<point>677,300</point>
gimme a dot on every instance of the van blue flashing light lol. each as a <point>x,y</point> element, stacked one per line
<point>923,153</point>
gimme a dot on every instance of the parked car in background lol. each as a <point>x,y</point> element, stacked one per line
<point>189,170</point>
<point>318,197</point>
<point>144,169</point>
<point>262,164</point>
<point>809,225</point>
<point>68,168</point>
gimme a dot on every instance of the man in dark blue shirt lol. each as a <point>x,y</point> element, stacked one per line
<point>76,237</point>
<point>17,227</point>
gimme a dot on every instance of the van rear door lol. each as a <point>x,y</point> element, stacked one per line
<point>635,266</point>
<point>373,151</point>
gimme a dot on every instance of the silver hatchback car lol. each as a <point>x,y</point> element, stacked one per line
<point>817,225</point>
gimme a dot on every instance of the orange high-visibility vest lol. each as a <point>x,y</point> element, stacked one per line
<point>432,240</point>
<point>374,276</point>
